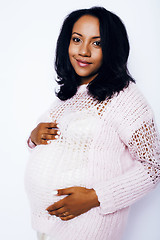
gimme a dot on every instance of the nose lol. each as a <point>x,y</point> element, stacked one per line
<point>84,50</point>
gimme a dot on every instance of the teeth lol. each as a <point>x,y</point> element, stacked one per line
<point>83,64</point>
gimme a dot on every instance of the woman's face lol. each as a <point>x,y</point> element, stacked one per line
<point>85,52</point>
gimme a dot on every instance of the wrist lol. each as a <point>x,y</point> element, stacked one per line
<point>94,198</point>
<point>30,143</point>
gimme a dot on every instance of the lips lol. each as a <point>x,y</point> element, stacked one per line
<point>82,63</point>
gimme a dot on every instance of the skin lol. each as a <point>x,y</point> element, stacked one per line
<point>78,201</point>
<point>44,133</point>
<point>85,54</point>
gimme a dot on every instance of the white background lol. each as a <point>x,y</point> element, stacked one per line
<point>28,34</point>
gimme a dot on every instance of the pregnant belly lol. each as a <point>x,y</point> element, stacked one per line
<point>52,167</point>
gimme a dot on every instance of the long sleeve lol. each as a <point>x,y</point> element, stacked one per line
<point>111,146</point>
<point>45,117</point>
<point>138,132</point>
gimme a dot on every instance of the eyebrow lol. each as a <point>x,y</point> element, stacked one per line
<point>82,35</point>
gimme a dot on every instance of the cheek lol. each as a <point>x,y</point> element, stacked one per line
<point>70,56</point>
<point>71,50</point>
<point>71,53</point>
<point>99,59</point>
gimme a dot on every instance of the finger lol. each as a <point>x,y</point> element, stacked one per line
<point>67,217</point>
<point>52,125</point>
<point>45,136</point>
<point>52,131</point>
<point>46,139</point>
<point>53,137</point>
<point>56,206</point>
<point>65,191</point>
<point>44,125</point>
<point>64,214</point>
<point>59,212</point>
<point>49,137</point>
<point>45,142</point>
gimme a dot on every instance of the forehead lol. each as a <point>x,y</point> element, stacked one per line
<point>87,24</point>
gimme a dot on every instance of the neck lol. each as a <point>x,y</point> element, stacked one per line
<point>86,80</point>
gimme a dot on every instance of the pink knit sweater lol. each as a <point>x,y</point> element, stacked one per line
<point>111,146</point>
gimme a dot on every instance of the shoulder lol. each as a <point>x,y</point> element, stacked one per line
<point>130,94</point>
<point>133,111</point>
<point>131,102</point>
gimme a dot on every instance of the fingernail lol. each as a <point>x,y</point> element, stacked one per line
<point>49,141</point>
<point>58,132</point>
<point>54,192</point>
<point>58,126</point>
<point>56,136</point>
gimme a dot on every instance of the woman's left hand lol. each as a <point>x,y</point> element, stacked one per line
<point>78,201</point>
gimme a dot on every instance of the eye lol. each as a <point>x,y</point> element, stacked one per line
<point>76,39</point>
<point>97,43</point>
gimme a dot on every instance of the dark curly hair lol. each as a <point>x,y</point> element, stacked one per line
<point>113,75</point>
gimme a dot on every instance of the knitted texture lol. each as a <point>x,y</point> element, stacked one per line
<point>111,146</point>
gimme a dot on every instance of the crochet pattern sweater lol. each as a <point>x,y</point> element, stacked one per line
<point>111,146</point>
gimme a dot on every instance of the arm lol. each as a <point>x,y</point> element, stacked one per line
<point>136,129</point>
<point>126,189</point>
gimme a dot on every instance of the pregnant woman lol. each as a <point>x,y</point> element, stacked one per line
<point>96,150</point>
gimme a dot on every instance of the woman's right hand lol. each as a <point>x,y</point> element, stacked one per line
<point>44,133</point>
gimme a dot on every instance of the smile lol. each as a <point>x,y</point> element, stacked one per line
<point>82,63</point>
